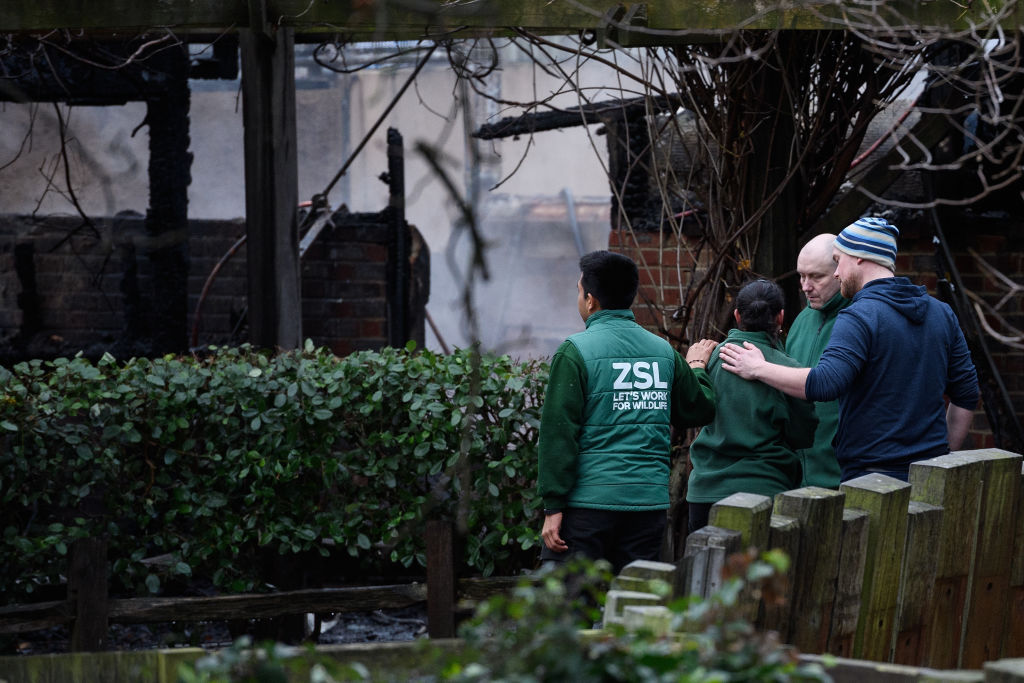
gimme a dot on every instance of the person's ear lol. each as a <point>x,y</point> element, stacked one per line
<point>736,316</point>
<point>592,304</point>
<point>779,318</point>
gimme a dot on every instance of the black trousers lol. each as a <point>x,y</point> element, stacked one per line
<point>614,535</point>
<point>698,517</point>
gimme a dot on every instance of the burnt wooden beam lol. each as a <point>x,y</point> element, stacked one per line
<point>596,112</point>
<point>271,187</point>
<point>359,599</point>
<point>18,618</point>
<point>106,72</point>
<point>852,204</point>
<point>36,616</point>
<point>660,22</point>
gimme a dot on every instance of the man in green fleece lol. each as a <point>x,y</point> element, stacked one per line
<point>808,337</point>
<point>615,390</point>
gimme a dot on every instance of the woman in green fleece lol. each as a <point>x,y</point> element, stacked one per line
<point>751,445</point>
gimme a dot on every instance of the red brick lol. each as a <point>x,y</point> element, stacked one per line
<point>671,297</point>
<point>647,293</point>
<point>649,276</point>
<point>373,328</point>
<point>211,326</point>
<point>342,271</point>
<point>375,252</point>
<point>930,282</point>
<point>645,315</point>
<point>314,328</point>
<point>341,347</point>
<point>368,344</point>
<point>313,288</point>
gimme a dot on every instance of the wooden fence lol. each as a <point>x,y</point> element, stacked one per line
<point>926,573</point>
<point>929,573</point>
<point>88,609</point>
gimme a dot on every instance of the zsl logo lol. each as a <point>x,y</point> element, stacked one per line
<point>647,375</point>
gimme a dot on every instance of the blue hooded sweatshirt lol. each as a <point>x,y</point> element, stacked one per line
<point>894,353</point>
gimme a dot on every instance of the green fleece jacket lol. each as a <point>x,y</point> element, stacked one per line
<point>613,393</point>
<point>750,447</point>
<point>808,336</point>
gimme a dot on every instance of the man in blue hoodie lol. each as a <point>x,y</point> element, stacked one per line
<point>893,354</point>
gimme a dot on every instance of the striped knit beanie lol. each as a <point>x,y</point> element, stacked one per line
<point>872,239</point>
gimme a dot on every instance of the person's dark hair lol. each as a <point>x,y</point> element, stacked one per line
<point>759,303</point>
<point>611,278</point>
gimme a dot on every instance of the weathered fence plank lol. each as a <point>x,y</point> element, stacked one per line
<point>1013,645</point>
<point>18,618</point>
<point>885,500</point>
<point>87,590</point>
<point>784,535</point>
<point>266,605</point>
<point>819,512</point>
<point>700,572</point>
<point>988,606</point>
<point>39,615</point>
<point>917,580</point>
<point>1005,671</point>
<point>852,556</point>
<point>952,482</point>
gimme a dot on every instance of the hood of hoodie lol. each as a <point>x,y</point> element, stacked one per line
<point>908,299</point>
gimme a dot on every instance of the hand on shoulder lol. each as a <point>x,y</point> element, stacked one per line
<point>700,352</point>
<point>742,360</point>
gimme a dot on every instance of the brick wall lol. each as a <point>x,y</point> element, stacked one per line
<point>65,287</point>
<point>665,266</point>
<point>996,239</point>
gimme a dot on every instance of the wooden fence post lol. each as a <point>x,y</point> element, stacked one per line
<point>87,591</point>
<point>820,514</point>
<point>952,482</point>
<point>700,571</point>
<point>440,580</point>
<point>917,581</point>
<point>1005,671</point>
<point>750,514</point>
<point>784,535</point>
<point>988,606</point>
<point>853,548</point>
<point>1013,646</point>
<point>886,501</point>
<point>747,513</point>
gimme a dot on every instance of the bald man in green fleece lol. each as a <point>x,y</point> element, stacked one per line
<point>808,336</point>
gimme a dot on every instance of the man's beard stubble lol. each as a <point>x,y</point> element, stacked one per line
<point>849,287</point>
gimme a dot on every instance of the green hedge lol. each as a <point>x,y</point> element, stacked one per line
<point>221,460</point>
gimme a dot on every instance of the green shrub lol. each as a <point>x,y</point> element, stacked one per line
<point>539,634</point>
<point>535,635</point>
<point>210,464</point>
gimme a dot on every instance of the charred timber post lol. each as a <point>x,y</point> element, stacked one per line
<point>629,151</point>
<point>271,186</point>
<point>398,257</point>
<point>170,174</point>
